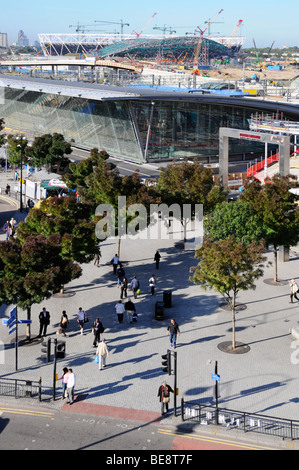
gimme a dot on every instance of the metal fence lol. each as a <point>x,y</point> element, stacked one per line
<point>21,388</point>
<point>247,422</point>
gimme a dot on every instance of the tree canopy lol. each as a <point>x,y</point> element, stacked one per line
<point>228,266</point>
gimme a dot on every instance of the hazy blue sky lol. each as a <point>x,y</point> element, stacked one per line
<point>264,20</point>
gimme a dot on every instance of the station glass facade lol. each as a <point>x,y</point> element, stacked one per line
<point>130,129</point>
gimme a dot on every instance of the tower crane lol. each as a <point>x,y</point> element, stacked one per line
<point>122,24</point>
<point>164,29</point>
<point>138,34</point>
<point>200,40</point>
<point>79,27</point>
<point>210,22</point>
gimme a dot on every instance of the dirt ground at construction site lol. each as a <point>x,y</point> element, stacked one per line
<point>228,73</point>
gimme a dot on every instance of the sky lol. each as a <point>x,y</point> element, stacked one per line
<point>264,20</point>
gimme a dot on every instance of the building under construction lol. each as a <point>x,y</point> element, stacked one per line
<point>172,48</point>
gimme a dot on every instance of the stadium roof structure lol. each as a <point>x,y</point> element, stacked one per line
<point>147,46</point>
<point>178,47</point>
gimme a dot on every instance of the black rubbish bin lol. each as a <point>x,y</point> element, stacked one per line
<point>167,298</point>
<point>159,311</point>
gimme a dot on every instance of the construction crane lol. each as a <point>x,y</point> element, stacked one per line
<point>210,22</point>
<point>200,40</point>
<point>271,47</point>
<point>139,34</point>
<point>198,47</point>
<point>164,29</point>
<point>122,24</point>
<point>79,27</point>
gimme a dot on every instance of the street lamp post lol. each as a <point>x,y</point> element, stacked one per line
<point>21,138</point>
<point>216,378</point>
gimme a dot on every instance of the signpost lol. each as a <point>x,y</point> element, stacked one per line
<point>12,323</point>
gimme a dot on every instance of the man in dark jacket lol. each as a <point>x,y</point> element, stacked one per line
<point>44,321</point>
<point>97,328</point>
<point>164,396</point>
<point>173,331</point>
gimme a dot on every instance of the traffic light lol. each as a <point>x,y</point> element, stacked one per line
<point>46,350</point>
<point>60,351</point>
<point>166,363</point>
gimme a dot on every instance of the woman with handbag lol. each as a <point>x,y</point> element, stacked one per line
<point>164,396</point>
<point>63,323</point>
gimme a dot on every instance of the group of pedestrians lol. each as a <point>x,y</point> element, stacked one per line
<point>68,385</point>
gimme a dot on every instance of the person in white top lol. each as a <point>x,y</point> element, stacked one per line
<point>80,319</point>
<point>103,353</point>
<point>71,382</point>
<point>120,310</point>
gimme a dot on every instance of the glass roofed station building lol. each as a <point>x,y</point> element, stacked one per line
<point>138,124</point>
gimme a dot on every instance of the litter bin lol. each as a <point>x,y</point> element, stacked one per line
<point>167,298</point>
<point>159,311</point>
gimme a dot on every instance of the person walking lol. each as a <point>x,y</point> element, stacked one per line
<point>63,323</point>
<point>120,310</point>
<point>173,331</point>
<point>64,379</point>
<point>97,328</point>
<point>44,321</point>
<point>81,319</point>
<point>103,353</point>
<point>120,272</point>
<point>157,258</point>
<point>164,396</point>
<point>294,290</point>
<point>124,288</point>
<point>71,382</point>
<point>115,261</point>
<point>130,310</point>
<point>152,283</point>
<point>135,286</point>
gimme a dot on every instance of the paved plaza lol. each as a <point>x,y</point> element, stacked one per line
<point>263,379</point>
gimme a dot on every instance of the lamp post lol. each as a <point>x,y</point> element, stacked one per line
<point>21,139</point>
<point>216,377</point>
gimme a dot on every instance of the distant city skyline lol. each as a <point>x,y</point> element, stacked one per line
<point>264,21</point>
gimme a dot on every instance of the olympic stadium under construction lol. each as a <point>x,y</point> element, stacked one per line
<point>176,48</point>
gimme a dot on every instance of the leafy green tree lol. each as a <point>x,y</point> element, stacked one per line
<point>234,218</point>
<point>15,145</point>
<point>277,210</point>
<point>98,181</point>
<point>2,136</point>
<point>31,271</point>
<point>228,266</point>
<point>189,183</point>
<point>49,149</point>
<point>73,221</point>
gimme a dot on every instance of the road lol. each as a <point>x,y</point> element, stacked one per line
<point>7,210</point>
<point>41,428</point>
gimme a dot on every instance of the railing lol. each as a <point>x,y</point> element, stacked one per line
<point>254,169</point>
<point>247,422</point>
<point>21,388</point>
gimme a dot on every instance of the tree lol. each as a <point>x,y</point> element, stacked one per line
<point>73,221</point>
<point>16,145</point>
<point>98,181</point>
<point>48,149</point>
<point>190,183</point>
<point>31,271</point>
<point>228,266</point>
<point>2,136</point>
<point>234,218</point>
<point>277,210</point>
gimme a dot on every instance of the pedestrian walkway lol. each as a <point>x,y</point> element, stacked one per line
<point>262,380</point>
